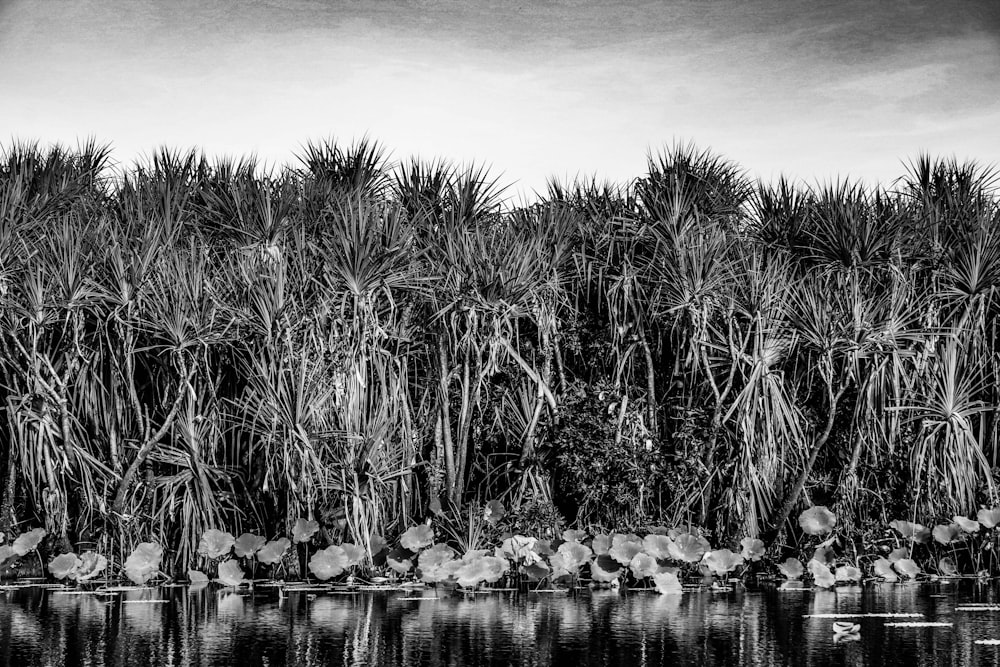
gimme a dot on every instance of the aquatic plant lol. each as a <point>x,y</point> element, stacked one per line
<point>989,518</point>
<point>752,549</point>
<point>818,520</point>
<point>230,573</point>
<point>722,561</point>
<point>197,577</point>
<point>64,566</point>
<point>215,543</point>
<point>432,563</point>
<point>822,576</point>
<point>946,533</point>
<point>248,544</point>
<point>143,562</point>
<point>303,530</point>
<point>273,551</point>
<point>91,565</point>
<point>883,568</point>
<point>688,547</point>
<point>417,537</point>
<point>792,568</point>
<point>625,547</point>
<point>478,569</point>
<point>605,570</point>
<point>328,563</point>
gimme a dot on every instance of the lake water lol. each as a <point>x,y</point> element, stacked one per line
<point>751,627</point>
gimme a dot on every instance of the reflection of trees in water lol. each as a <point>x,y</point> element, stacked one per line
<point>213,627</point>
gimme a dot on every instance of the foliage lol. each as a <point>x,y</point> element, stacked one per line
<point>333,352</point>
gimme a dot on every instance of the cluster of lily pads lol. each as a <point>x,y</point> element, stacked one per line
<point>660,560</point>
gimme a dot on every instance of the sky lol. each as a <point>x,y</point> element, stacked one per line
<point>811,89</point>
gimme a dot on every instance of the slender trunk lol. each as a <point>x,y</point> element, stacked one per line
<point>148,445</point>
<point>621,420</point>
<point>650,388</point>
<point>528,447</point>
<point>800,482</point>
<point>560,368</point>
<point>7,518</point>
<point>709,462</point>
<point>464,426</point>
<point>445,409</point>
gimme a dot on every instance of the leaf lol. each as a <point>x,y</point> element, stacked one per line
<point>328,563</point>
<point>946,533</point>
<point>791,568</point>
<point>848,573</point>
<point>689,547</point>
<point>271,553</point>
<point>143,562</point>
<point>215,543</point>
<point>624,548</point>
<point>817,520</point>
<point>535,571</point>
<point>28,542</point>
<point>417,537</point>
<point>643,565</point>
<point>65,565</point>
<point>989,517</point>
<point>230,573</point>
<point>605,569</point>
<point>399,565</point>
<point>378,544</point>
<point>967,525</point>
<point>722,561</point>
<point>907,567</point>
<point>480,570</point>
<point>657,546</point>
<point>494,512</point>
<point>601,544</point>
<point>91,565</point>
<point>248,544</point>
<point>197,577</point>
<point>914,531</point>
<point>432,562</point>
<point>947,567</point>
<point>7,556</point>
<point>520,549</point>
<point>753,549</point>
<point>822,576</point>
<point>303,530</point>
<point>574,535</point>
<point>898,554</point>
<point>883,568</point>
<point>355,554</point>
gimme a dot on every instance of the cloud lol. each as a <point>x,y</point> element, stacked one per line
<point>536,88</point>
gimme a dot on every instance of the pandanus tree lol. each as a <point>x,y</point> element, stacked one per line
<point>370,280</point>
<point>496,275</point>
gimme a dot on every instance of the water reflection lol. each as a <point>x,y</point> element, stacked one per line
<point>178,626</point>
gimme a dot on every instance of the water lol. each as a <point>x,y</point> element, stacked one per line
<point>758,627</point>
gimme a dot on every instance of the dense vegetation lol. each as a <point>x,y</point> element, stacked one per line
<point>187,344</point>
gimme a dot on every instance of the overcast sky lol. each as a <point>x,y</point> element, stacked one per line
<point>814,89</point>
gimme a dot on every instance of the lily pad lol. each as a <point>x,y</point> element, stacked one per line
<point>272,552</point>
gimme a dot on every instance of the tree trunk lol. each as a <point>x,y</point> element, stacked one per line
<point>445,410</point>
<point>148,446</point>
<point>793,494</point>
<point>650,388</point>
